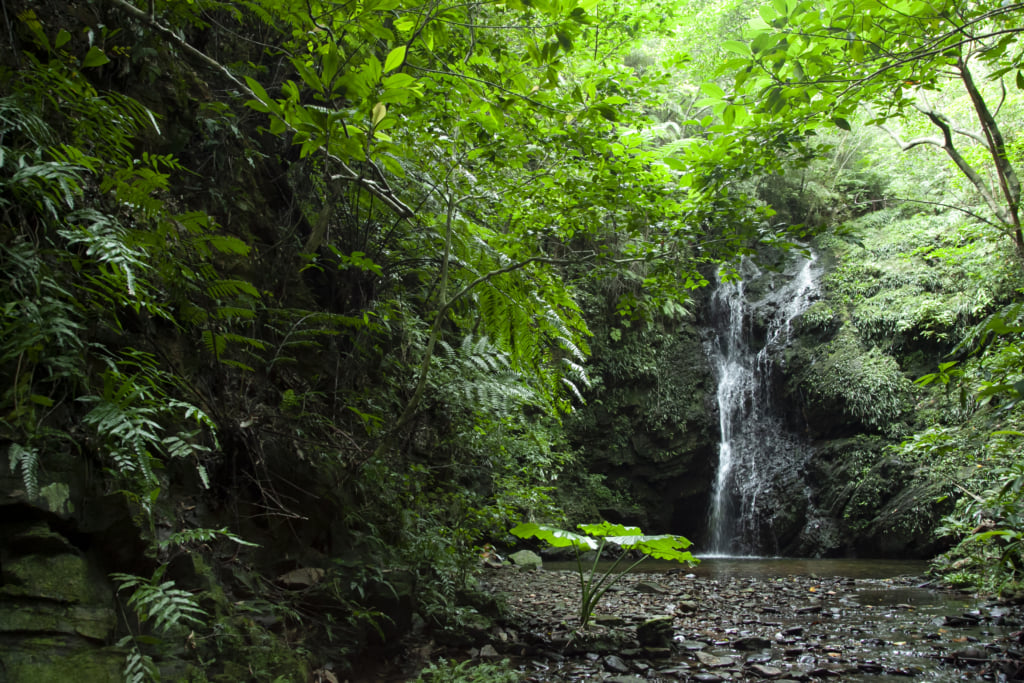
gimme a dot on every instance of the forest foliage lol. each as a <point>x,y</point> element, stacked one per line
<point>321,266</point>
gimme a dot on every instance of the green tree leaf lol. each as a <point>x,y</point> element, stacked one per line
<point>395,58</point>
<point>95,57</point>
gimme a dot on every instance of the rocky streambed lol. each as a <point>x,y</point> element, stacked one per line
<point>677,625</point>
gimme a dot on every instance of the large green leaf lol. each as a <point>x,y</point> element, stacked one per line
<point>608,529</point>
<point>559,538</point>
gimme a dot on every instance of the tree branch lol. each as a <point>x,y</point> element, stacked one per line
<point>953,153</point>
<point>927,110</point>
<point>910,144</point>
<point>1009,183</point>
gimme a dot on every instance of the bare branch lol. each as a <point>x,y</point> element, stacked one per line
<point>965,167</point>
<point>910,144</point>
<point>928,110</point>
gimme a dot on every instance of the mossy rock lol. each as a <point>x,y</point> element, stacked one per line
<point>59,658</point>
<point>64,578</point>
<point>92,622</point>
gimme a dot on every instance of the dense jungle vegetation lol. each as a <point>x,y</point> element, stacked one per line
<point>304,303</point>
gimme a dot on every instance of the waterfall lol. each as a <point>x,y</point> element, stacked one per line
<point>759,459</point>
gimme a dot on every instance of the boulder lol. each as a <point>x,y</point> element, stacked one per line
<point>526,559</point>
<point>657,632</point>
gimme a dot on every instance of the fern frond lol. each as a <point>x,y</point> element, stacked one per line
<point>160,602</point>
<point>234,313</point>
<point>577,372</point>
<point>138,667</point>
<point>28,460</point>
<point>224,289</point>
<point>188,536</point>
<point>193,413</point>
<point>238,364</point>
<point>178,447</point>
<point>485,379</point>
<point>573,388</point>
<point>242,339</point>
<point>14,116</point>
<point>214,343</point>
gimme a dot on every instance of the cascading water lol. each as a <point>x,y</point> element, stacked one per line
<point>759,458</point>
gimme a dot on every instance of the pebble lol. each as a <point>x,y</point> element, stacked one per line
<point>650,587</point>
<point>714,662</point>
<point>615,665</point>
<point>750,643</point>
<point>765,671</point>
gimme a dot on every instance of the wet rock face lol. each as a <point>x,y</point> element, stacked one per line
<point>649,427</point>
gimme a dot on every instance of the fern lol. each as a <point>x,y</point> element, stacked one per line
<point>482,375</point>
<point>106,241</point>
<point>48,186</point>
<point>124,418</point>
<point>14,116</point>
<point>187,536</point>
<point>214,343</point>
<point>138,667</point>
<point>226,289</point>
<point>160,602</point>
<point>28,460</point>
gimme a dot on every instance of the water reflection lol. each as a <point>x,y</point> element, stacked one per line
<point>767,568</point>
<point>773,567</point>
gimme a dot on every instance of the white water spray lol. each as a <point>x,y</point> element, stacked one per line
<point>758,459</point>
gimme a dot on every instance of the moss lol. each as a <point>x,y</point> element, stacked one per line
<point>62,577</point>
<point>864,384</point>
<point>95,623</point>
<point>58,498</point>
<point>59,658</point>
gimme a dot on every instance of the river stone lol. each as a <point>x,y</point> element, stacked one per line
<point>655,632</point>
<point>649,587</point>
<point>488,652</point>
<point>765,671</point>
<point>971,654</point>
<point>615,665</point>
<point>526,559</point>
<point>708,678</point>
<point>713,662</point>
<point>608,620</point>
<point>38,538</point>
<point>686,606</point>
<point>750,643</point>
<point>609,641</point>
